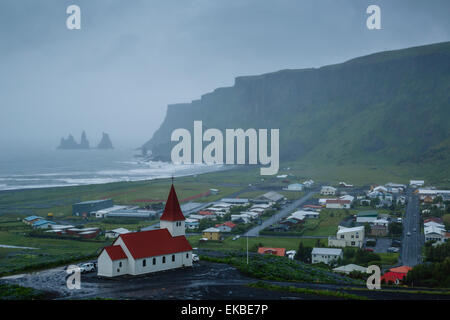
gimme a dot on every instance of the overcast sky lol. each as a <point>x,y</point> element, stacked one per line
<point>131,58</point>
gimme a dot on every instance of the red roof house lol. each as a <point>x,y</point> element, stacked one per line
<point>275,251</point>
<point>205,213</point>
<point>226,226</point>
<point>395,275</point>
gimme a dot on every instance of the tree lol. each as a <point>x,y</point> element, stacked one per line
<point>304,253</point>
<point>367,228</point>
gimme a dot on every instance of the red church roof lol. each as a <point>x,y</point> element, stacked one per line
<point>172,211</point>
<point>154,243</point>
<point>115,252</point>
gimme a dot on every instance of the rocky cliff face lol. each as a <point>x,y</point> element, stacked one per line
<point>391,107</point>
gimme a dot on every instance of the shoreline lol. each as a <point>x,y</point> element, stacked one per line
<point>44,188</point>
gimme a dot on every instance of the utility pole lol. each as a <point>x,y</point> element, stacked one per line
<point>247,248</point>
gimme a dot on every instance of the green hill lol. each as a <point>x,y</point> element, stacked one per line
<point>386,108</point>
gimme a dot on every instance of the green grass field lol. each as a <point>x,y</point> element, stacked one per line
<point>241,243</point>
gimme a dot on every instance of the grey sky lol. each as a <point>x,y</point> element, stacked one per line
<point>132,58</point>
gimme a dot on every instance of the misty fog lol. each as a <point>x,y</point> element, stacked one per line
<point>132,58</point>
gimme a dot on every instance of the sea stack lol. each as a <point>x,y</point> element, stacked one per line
<point>105,143</point>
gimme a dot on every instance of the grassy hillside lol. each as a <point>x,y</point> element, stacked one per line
<point>390,108</point>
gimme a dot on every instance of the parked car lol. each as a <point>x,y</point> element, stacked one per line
<point>236,237</point>
<point>408,234</point>
<point>368,249</point>
<point>87,267</point>
<point>195,258</point>
<point>393,249</point>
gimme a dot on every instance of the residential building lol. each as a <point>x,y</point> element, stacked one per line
<point>144,252</point>
<point>31,219</point>
<point>347,237</point>
<point>349,268</point>
<point>416,183</point>
<point>42,224</point>
<point>191,223</point>
<point>326,255</point>
<point>433,233</point>
<point>275,251</point>
<point>212,234</point>
<point>116,232</point>
<point>272,196</point>
<point>395,275</point>
<point>302,215</point>
<point>328,191</point>
<point>366,216</point>
<point>379,227</point>
<point>226,226</point>
<point>337,204</point>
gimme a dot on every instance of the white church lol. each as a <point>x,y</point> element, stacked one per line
<point>143,252</point>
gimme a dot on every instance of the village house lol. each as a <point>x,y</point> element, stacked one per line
<point>337,204</point>
<point>349,268</point>
<point>395,275</point>
<point>366,216</point>
<point>379,227</point>
<point>347,237</point>
<point>144,252</point>
<point>212,234</point>
<point>31,219</point>
<point>116,232</point>
<point>226,226</point>
<point>326,255</point>
<point>328,191</point>
<point>42,224</point>
<point>272,196</point>
<point>191,223</point>
<point>275,251</point>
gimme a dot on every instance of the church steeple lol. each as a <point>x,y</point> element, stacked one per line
<point>172,218</point>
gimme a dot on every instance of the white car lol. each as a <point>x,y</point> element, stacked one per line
<point>236,237</point>
<point>87,267</point>
<point>195,258</point>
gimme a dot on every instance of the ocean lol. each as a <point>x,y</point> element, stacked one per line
<point>42,168</point>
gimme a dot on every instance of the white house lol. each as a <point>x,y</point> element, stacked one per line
<point>337,204</point>
<point>326,255</point>
<point>302,214</point>
<point>116,232</point>
<point>347,237</point>
<point>144,252</point>
<point>434,224</point>
<point>328,191</point>
<point>433,233</point>
<point>416,183</point>
<point>350,268</point>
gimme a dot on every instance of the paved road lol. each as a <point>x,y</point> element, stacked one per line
<point>254,232</point>
<point>411,254</point>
